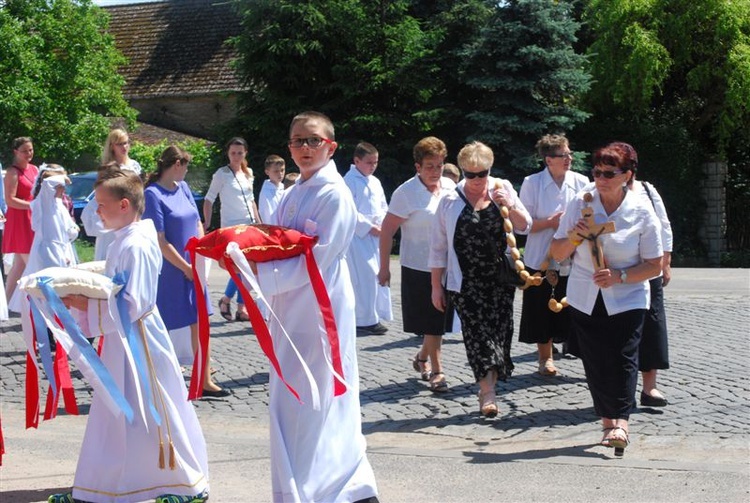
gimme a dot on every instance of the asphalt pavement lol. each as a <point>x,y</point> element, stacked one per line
<point>427,447</point>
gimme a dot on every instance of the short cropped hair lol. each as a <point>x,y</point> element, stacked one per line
<point>315,116</point>
<point>274,160</point>
<point>429,146</point>
<point>476,155</point>
<point>549,144</point>
<point>123,184</point>
<point>451,171</point>
<point>619,155</point>
<point>363,149</point>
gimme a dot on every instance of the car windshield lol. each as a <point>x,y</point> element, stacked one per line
<point>80,187</point>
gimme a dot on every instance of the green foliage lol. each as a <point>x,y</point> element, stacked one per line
<point>204,163</point>
<point>359,62</point>
<point>84,250</point>
<point>58,78</point>
<point>651,54</point>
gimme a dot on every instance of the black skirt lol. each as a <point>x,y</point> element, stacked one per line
<point>609,350</point>
<point>654,350</point>
<point>539,324</point>
<point>418,314</point>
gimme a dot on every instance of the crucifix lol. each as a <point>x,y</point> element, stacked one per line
<point>595,230</point>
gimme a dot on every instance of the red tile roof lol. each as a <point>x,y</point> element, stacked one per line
<point>176,48</point>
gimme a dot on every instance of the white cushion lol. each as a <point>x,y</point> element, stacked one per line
<point>93,266</point>
<point>69,281</point>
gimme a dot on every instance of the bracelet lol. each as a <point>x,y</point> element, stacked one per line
<point>575,243</point>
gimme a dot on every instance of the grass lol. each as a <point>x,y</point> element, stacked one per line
<point>85,250</point>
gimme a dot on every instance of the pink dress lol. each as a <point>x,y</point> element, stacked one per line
<point>18,236</point>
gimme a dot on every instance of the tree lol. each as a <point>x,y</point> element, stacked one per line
<point>673,78</point>
<point>58,77</point>
<point>359,62</point>
<point>651,54</point>
<point>524,78</point>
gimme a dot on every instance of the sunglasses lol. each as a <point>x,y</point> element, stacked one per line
<point>606,174</point>
<point>481,174</point>
<point>312,142</point>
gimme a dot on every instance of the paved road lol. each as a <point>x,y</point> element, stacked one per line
<point>436,448</point>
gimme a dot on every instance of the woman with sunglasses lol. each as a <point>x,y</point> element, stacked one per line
<point>467,240</point>
<point>608,306</point>
<point>545,195</point>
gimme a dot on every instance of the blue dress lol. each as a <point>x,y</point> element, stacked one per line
<point>175,214</point>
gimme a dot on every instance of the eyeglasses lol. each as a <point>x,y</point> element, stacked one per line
<point>569,155</point>
<point>481,174</point>
<point>312,142</point>
<point>605,173</point>
<point>123,144</point>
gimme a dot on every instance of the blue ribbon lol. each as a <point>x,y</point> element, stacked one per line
<point>42,343</point>
<point>85,348</point>
<point>136,347</point>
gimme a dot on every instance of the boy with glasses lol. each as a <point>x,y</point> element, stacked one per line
<point>316,455</point>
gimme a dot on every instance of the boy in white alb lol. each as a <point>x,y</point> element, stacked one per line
<point>373,301</point>
<point>316,455</point>
<point>273,189</point>
<point>132,462</point>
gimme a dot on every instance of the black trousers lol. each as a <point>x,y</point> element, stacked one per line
<point>654,349</point>
<point>609,351</point>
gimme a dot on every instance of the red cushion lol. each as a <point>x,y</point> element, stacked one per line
<point>258,242</point>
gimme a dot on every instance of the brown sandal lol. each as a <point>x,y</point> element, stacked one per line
<point>438,383</point>
<point>421,366</point>
<point>225,309</point>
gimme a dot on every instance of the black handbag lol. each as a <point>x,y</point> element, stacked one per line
<point>506,266</point>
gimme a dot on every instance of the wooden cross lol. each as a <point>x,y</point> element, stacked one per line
<point>595,230</point>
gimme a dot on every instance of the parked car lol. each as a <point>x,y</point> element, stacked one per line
<point>81,191</point>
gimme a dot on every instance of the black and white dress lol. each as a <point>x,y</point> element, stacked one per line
<point>484,305</point>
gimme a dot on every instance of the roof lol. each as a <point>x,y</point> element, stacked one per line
<point>176,48</point>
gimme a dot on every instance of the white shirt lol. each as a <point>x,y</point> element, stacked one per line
<point>236,194</point>
<point>442,252</point>
<point>636,238</point>
<point>413,202</point>
<point>542,197</point>
<point>369,199</point>
<point>269,199</point>
<point>660,210</point>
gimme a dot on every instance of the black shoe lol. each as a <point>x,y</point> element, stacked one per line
<point>376,329</point>
<point>653,401</point>
<point>219,393</point>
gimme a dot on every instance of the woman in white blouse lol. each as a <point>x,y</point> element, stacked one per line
<point>608,306</point>
<point>545,195</point>
<point>233,184</point>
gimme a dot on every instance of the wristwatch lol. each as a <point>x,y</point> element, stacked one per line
<point>623,276</point>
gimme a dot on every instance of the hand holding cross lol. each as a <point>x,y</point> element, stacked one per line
<point>594,231</point>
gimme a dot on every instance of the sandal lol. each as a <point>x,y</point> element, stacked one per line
<point>420,366</point>
<point>225,309</point>
<point>612,438</point>
<point>547,367</point>
<point>487,405</point>
<point>241,316</point>
<point>438,383</point>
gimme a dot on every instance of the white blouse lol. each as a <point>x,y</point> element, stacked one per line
<point>636,239</point>
<point>236,193</point>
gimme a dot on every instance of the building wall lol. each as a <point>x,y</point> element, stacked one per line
<point>196,116</point>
